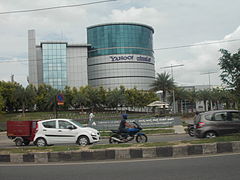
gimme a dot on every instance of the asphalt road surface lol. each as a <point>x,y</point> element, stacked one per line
<point>8,143</point>
<point>224,167</point>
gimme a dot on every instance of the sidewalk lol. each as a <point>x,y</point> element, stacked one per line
<point>179,129</point>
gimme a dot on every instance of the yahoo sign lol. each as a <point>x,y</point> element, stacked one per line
<point>130,58</point>
<point>121,58</point>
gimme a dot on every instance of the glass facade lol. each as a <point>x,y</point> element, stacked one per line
<point>121,54</point>
<point>120,39</point>
<point>54,64</point>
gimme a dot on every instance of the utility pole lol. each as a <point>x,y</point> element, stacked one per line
<point>209,81</point>
<point>12,78</point>
<point>173,93</point>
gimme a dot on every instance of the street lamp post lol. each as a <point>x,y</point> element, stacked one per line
<point>173,93</point>
<point>209,83</point>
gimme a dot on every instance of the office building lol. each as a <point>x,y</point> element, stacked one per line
<point>120,54</point>
<point>58,64</point>
<point>116,54</point>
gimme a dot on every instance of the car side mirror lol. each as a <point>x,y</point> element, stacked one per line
<point>71,127</point>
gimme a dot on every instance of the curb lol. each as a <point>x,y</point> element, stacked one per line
<point>3,132</point>
<point>123,154</point>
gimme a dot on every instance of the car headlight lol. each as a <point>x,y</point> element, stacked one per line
<point>93,134</point>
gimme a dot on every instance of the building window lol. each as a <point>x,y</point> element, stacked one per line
<point>121,39</point>
<point>54,64</point>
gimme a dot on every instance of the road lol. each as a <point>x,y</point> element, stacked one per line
<point>7,143</point>
<point>195,168</point>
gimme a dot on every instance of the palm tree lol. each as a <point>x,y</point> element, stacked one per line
<point>31,94</point>
<point>163,82</point>
<point>1,101</point>
<point>21,96</point>
<point>116,98</point>
<point>204,95</point>
<point>181,95</point>
<point>229,98</point>
<point>79,98</point>
<point>192,99</point>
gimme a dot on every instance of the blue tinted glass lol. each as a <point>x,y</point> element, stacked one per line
<point>54,65</point>
<point>135,37</point>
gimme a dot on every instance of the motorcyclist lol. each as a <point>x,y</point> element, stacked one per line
<point>124,126</point>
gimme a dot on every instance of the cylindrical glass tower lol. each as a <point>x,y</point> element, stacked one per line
<point>120,54</point>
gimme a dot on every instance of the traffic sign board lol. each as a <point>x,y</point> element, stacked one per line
<point>60,99</point>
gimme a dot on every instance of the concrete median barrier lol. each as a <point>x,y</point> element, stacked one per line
<point>123,153</point>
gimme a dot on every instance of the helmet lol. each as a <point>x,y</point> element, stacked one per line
<point>124,116</point>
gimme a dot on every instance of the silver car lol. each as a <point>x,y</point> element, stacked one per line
<point>216,123</point>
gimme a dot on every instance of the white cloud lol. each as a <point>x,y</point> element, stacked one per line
<point>149,16</point>
<point>177,22</point>
<point>234,35</point>
<point>16,68</point>
<point>202,59</point>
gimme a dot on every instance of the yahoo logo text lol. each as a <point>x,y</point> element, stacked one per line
<point>121,58</point>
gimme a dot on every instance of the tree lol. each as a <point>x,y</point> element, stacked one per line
<point>1,103</point>
<point>149,96</point>
<point>102,94</point>
<point>1,100</point>
<point>181,95</point>
<point>116,98</point>
<point>92,97</point>
<point>163,82</point>
<point>68,97</point>
<point>8,94</point>
<point>204,95</point>
<point>26,97</point>
<point>192,99</point>
<point>132,97</point>
<point>31,93</point>
<point>21,97</point>
<point>228,97</point>
<point>79,99</point>
<point>145,97</point>
<point>46,97</point>
<point>230,66</point>
<point>215,96</point>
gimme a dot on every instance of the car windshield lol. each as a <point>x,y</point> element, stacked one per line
<point>76,123</point>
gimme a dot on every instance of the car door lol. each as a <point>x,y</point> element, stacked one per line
<point>67,132</point>
<point>50,131</point>
<point>235,121</point>
<point>222,123</point>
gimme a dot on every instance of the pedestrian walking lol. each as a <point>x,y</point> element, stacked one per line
<point>91,122</point>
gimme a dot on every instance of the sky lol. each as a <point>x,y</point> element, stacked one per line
<point>176,23</point>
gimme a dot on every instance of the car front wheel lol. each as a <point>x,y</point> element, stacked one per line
<point>40,142</point>
<point>210,134</point>
<point>19,141</point>
<point>83,141</point>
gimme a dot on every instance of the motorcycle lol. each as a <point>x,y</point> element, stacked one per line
<point>118,137</point>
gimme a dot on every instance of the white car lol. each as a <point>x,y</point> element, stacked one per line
<point>61,131</point>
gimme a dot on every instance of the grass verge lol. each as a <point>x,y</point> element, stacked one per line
<point>235,137</point>
<point>40,149</point>
<point>146,131</point>
<point>230,138</point>
<point>157,131</point>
